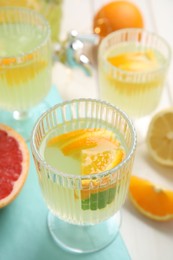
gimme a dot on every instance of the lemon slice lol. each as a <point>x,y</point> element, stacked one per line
<point>160,137</point>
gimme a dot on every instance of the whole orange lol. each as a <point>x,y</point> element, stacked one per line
<point>117,15</point>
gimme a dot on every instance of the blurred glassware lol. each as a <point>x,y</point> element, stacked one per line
<point>25,60</point>
<point>133,65</point>
<point>50,9</point>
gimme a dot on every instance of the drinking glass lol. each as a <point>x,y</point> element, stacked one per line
<point>78,224</point>
<point>25,67</point>
<point>137,91</point>
<point>50,9</point>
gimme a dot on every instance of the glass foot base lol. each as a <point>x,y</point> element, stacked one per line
<point>23,123</point>
<point>84,238</point>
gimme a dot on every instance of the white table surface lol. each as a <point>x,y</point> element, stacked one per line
<point>145,239</point>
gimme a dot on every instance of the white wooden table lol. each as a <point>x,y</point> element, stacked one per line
<point>145,239</point>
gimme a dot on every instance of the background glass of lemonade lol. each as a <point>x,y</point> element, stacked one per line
<point>25,66</point>
<point>79,224</point>
<point>50,9</point>
<point>135,82</point>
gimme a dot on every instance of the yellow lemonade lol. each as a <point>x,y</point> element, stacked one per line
<point>75,195</point>
<point>132,77</point>
<point>50,9</point>
<point>25,66</point>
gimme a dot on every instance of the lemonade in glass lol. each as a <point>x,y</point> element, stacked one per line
<point>25,63</point>
<point>133,65</point>
<point>50,9</point>
<point>83,152</point>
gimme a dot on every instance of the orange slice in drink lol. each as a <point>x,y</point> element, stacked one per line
<point>152,201</point>
<point>135,61</point>
<point>74,135</point>
<point>75,141</point>
<point>98,193</point>
<point>98,150</point>
<point>102,157</point>
<point>18,73</point>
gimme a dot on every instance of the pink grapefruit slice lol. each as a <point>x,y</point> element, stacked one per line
<point>14,164</point>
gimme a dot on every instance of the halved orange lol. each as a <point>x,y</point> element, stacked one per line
<point>152,201</point>
<point>160,137</point>
<point>14,164</point>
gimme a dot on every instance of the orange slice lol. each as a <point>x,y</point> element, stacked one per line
<point>97,150</point>
<point>135,61</point>
<point>99,159</point>
<point>160,137</point>
<point>75,135</point>
<point>17,73</point>
<point>103,157</point>
<point>75,141</point>
<point>14,164</point>
<point>152,201</point>
<point>10,61</point>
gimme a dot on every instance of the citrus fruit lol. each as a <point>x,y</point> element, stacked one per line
<point>96,148</point>
<point>135,61</point>
<point>100,158</point>
<point>160,137</point>
<point>14,164</point>
<point>117,15</point>
<point>76,140</point>
<point>76,135</point>
<point>152,201</point>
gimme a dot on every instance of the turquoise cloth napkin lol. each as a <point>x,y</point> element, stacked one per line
<point>24,234</point>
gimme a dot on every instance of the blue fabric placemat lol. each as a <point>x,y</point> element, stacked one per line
<point>24,233</point>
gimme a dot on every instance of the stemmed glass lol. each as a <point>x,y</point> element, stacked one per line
<point>25,67</point>
<point>50,9</point>
<point>134,84</point>
<point>75,224</point>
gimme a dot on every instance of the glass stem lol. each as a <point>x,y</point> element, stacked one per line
<point>20,115</point>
